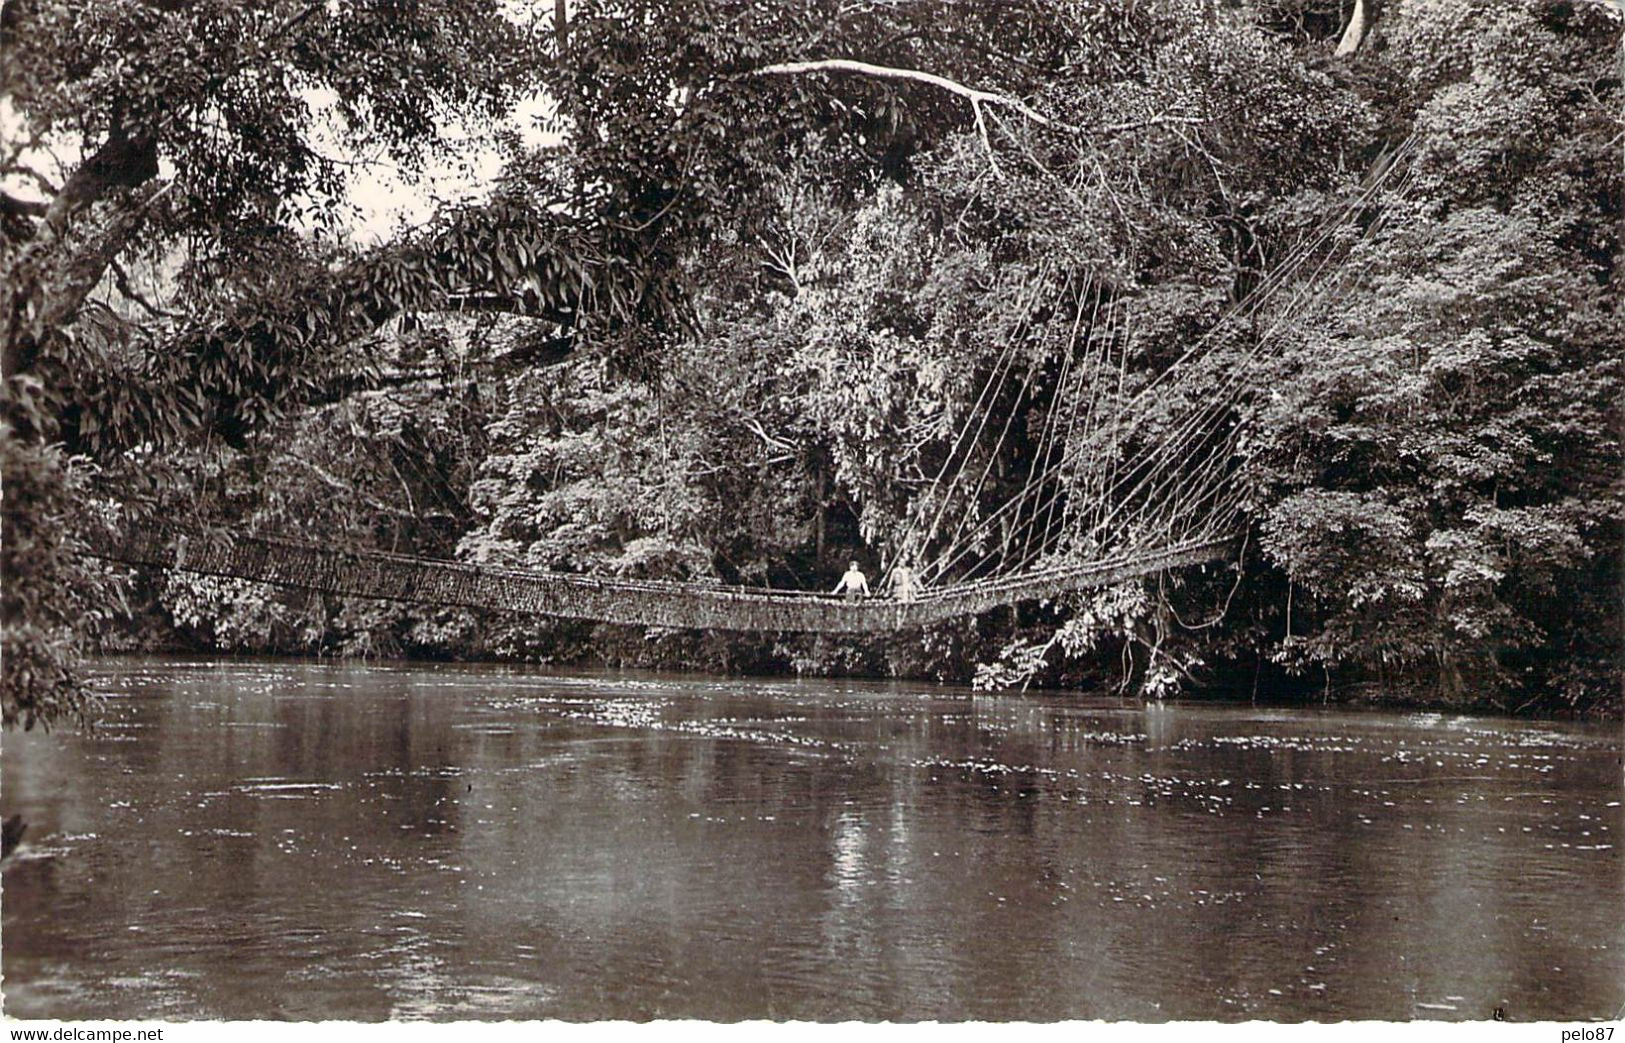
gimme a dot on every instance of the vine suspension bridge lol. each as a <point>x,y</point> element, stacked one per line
<point>1109,496</point>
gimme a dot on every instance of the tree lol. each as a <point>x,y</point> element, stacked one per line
<point>181,127</point>
<point>1442,469</point>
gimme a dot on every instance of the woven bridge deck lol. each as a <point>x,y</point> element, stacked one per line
<point>394,577</point>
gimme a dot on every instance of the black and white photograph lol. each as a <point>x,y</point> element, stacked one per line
<point>1084,515</point>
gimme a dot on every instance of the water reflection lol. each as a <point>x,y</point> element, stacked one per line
<point>306,841</point>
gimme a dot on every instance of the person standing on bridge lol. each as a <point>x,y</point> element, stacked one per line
<point>905,583</point>
<point>854,582</point>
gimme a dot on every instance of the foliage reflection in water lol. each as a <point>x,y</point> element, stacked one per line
<point>269,840</point>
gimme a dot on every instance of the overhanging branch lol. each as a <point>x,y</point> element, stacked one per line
<point>976,97</point>
<point>11,204</point>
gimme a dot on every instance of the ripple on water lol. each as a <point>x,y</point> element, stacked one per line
<point>285,789</point>
<point>815,850</point>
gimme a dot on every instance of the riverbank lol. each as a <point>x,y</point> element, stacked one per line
<point>711,654</point>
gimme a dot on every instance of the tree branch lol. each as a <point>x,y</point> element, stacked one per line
<point>507,304</point>
<point>10,204</point>
<point>756,429</point>
<point>973,95</point>
<point>121,280</point>
<point>87,265</point>
<point>987,144</point>
<point>1153,121</point>
<point>45,183</point>
<point>1354,34</point>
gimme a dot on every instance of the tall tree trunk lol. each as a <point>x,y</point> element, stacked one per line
<point>1355,33</point>
<point>86,225</point>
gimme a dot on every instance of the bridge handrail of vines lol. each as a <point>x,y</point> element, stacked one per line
<point>399,577</point>
<point>1108,497</point>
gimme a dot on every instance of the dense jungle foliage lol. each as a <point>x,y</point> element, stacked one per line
<point>732,316</point>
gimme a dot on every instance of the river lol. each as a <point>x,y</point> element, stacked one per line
<point>247,840</point>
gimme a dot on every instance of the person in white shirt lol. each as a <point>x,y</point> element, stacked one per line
<point>853,583</point>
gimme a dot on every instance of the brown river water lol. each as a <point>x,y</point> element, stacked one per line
<point>249,840</point>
